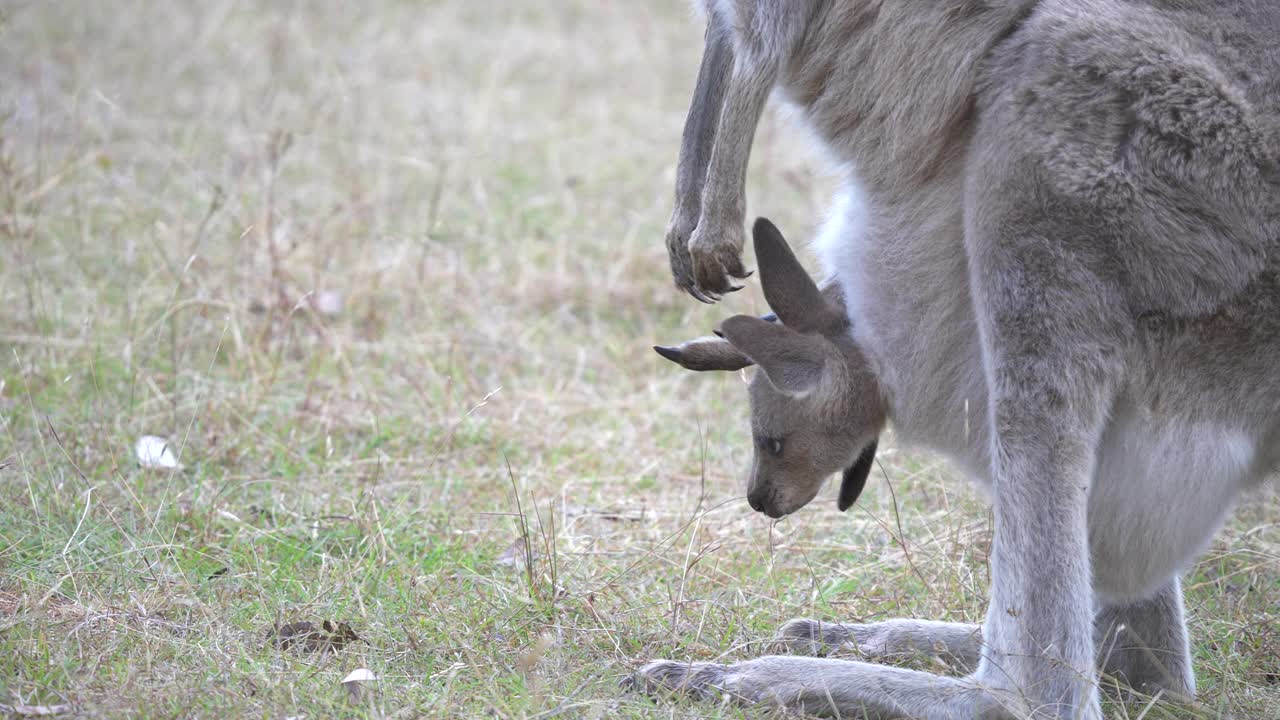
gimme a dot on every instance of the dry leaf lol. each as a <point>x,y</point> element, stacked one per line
<point>340,634</point>
<point>359,675</point>
<point>354,682</point>
<point>301,635</point>
<point>327,302</point>
<point>306,637</point>
<point>154,452</point>
<point>34,710</point>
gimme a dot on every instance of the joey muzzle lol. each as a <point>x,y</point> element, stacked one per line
<point>762,501</point>
<point>855,477</point>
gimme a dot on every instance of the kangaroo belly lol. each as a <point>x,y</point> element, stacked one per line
<point>1161,488</point>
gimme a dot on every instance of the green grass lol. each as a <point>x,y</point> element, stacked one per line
<point>485,185</point>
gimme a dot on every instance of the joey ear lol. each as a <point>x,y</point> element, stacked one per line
<point>855,477</point>
<point>789,290</point>
<point>705,353</point>
<point>793,362</point>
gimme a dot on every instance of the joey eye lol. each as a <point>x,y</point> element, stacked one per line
<point>773,446</point>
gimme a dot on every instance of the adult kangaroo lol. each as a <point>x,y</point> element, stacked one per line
<point>1061,214</point>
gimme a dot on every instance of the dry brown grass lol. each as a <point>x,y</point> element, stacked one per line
<point>484,184</point>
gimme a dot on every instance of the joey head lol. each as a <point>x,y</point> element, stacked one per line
<point>816,408</point>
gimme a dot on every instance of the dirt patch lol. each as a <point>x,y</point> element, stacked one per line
<point>9,603</point>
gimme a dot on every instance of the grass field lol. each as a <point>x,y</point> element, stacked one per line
<point>385,276</point>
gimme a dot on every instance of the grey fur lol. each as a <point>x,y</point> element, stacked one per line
<point>1057,260</point>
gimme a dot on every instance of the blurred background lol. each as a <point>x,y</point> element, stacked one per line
<point>381,279</point>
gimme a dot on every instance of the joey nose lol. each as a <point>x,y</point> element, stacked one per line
<point>755,499</point>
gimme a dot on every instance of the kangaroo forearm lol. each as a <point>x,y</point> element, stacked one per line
<point>702,122</point>
<point>724,193</point>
